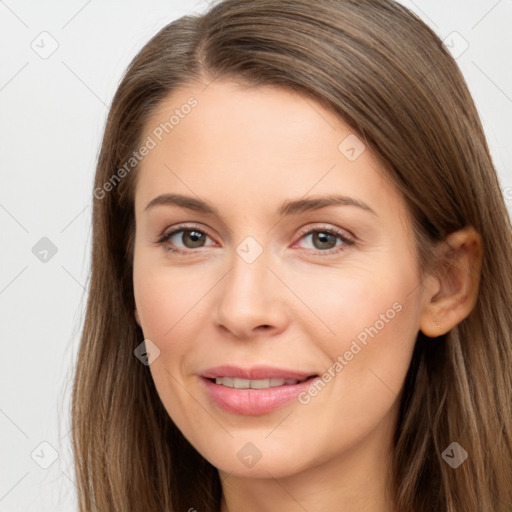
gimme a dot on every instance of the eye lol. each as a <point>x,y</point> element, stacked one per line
<point>325,239</point>
<point>191,236</point>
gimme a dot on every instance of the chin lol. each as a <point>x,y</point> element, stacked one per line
<point>259,459</point>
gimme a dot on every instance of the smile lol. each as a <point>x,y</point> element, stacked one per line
<point>253,397</point>
<point>254,384</point>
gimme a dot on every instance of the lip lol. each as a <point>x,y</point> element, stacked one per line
<point>254,373</point>
<point>253,402</point>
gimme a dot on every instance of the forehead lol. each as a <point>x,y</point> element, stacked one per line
<point>249,145</point>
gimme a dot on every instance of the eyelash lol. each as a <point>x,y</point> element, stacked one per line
<point>347,242</point>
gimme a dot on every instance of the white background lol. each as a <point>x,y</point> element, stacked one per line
<point>53,114</point>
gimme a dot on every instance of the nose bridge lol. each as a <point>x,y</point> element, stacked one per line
<point>250,294</point>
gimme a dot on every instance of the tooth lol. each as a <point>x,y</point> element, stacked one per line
<point>238,383</point>
<point>260,384</point>
<point>241,383</point>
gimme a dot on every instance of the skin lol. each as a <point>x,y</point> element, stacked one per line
<point>246,150</point>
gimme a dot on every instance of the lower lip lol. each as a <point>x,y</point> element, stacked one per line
<point>254,401</point>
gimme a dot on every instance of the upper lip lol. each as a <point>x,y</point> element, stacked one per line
<point>254,373</point>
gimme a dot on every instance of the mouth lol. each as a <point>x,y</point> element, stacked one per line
<point>238,383</point>
<point>256,373</point>
<point>254,392</point>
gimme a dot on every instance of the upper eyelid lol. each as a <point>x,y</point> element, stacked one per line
<point>186,227</point>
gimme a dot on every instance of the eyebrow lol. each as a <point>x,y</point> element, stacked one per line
<point>287,208</point>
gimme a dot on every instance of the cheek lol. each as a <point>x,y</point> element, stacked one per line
<point>168,302</point>
<point>166,298</point>
<point>375,329</point>
<point>373,316</point>
<point>363,298</point>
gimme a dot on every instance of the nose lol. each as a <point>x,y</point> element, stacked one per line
<point>251,299</point>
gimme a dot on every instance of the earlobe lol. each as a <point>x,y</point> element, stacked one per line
<point>452,290</point>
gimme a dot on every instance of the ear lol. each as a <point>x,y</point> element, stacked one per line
<point>451,291</point>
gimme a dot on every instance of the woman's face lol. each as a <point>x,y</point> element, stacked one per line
<point>272,291</point>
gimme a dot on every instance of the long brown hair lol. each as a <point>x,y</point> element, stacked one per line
<point>387,75</point>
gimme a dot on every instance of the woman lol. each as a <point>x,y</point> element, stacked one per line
<point>301,273</point>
